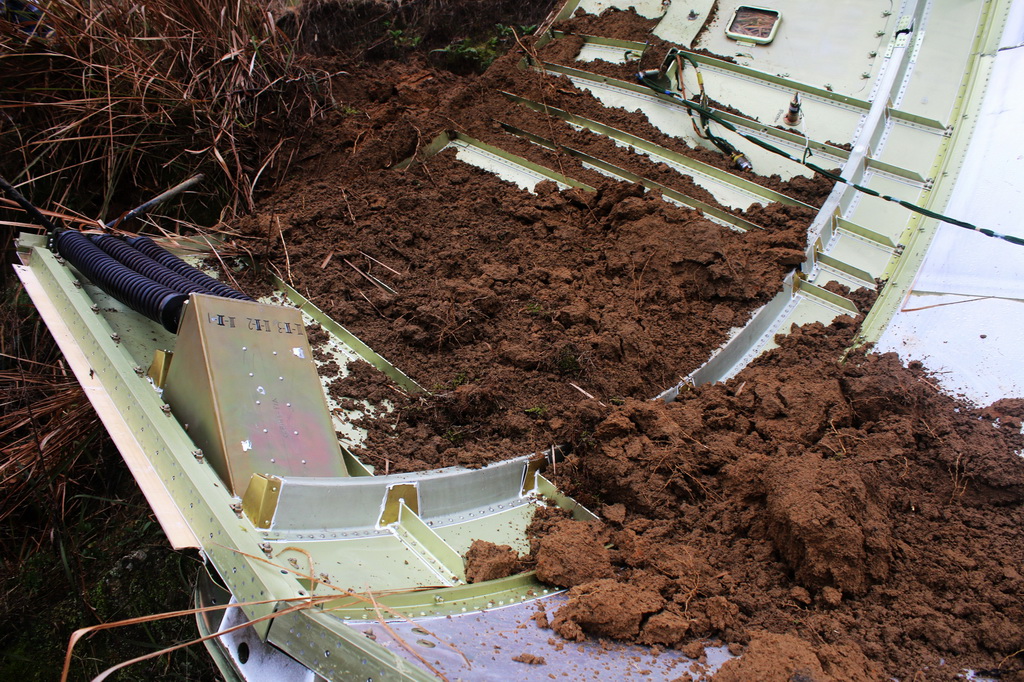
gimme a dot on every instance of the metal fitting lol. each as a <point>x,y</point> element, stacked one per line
<point>741,162</point>
<point>792,116</point>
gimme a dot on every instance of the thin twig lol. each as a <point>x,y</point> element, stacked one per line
<point>222,263</point>
<point>287,259</point>
<point>366,255</point>
<point>587,394</point>
<point>371,303</point>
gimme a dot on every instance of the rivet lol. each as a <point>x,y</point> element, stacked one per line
<point>198,454</point>
<point>250,373</point>
<point>303,461</point>
<point>166,409</point>
<point>244,348</point>
<point>116,337</point>
<point>280,378</point>
<point>264,430</point>
<point>272,460</point>
<point>295,433</point>
<point>265,546</point>
<point>95,308</point>
<point>258,402</point>
<point>139,370</point>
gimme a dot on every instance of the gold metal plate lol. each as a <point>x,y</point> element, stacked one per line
<point>260,500</point>
<point>161,365</point>
<point>398,493</point>
<point>244,385</point>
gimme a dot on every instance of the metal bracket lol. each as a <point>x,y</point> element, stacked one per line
<point>260,500</point>
<point>161,365</point>
<point>398,494</point>
<point>436,554</point>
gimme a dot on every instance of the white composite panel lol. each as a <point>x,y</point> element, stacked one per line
<point>962,265</point>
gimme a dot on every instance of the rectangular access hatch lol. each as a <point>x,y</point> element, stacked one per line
<point>754,24</point>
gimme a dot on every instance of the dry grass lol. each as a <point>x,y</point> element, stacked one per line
<point>47,426</point>
<point>123,95</point>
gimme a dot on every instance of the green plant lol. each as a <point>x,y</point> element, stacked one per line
<point>568,360</point>
<point>534,308</point>
<point>469,55</point>
<point>536,411</point>
<point>454,435</point>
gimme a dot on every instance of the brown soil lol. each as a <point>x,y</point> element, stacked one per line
<point>827,514</point>
<point>832,521</point>
<point>488,561</point>
<point>505,299</point>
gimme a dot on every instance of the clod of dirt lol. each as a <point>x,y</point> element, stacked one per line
<point>488,561</point>
<point>605,608</point>
<point>849,506</point>
<point>572,553</point>
<point>529,659</point>
<point>784,658</point>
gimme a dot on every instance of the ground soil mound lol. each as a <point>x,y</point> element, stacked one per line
<point>849,505</point>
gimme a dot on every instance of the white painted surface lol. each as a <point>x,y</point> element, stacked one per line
<point>964,318</point>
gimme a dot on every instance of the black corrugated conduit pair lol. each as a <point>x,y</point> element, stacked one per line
<point>140,274</point>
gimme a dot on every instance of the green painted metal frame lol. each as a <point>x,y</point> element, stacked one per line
<point>695,166</point>
<point>441,142</point>
<point>718,215</point>
<point>755,127</point>
<point>920,231</point>
<point>232,545</point>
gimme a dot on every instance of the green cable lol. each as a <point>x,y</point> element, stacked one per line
<point>708,113</point>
